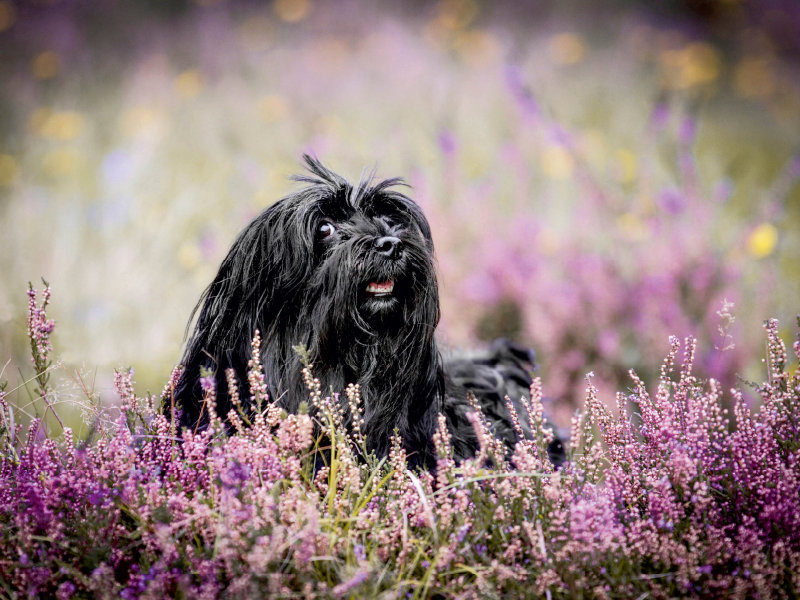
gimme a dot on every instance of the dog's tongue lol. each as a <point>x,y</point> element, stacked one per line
<point>382,287</point>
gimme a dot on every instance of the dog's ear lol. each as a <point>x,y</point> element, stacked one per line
<point>264,269</point>
<point>259,281</point>
<point>257,287</point>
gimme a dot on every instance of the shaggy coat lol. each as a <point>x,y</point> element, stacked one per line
<point>347,271</point>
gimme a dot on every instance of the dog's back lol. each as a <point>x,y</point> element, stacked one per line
<point>503,371</point>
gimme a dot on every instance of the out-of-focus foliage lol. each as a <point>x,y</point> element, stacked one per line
<point>596,179</point>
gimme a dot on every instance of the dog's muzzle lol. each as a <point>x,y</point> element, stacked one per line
<point>387,248</point>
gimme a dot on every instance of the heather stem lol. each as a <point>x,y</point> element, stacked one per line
<point>39,330</point>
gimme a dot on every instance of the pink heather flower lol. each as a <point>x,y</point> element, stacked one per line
<point>208,384</point>
<point>255,373</point>
<point>123,385</point>
<point>39,326</point>
<point>169,388</point>
<point>295,433</point>
<point>344,588</point>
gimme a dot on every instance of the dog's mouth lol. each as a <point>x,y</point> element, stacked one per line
<point>380,298</point>
<point>380,288</point>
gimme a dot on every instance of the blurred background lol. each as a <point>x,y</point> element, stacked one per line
<point>598,176</point>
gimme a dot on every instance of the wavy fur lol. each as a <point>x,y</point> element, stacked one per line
<point>298,282</point>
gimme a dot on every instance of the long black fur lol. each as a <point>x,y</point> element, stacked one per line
<point>289,277</point>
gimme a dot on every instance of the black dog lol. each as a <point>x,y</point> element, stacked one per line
<point>347,271</point>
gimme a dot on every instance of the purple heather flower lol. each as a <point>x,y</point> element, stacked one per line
<point>707,569</point>
<point>462,531</point>
<point>65,591</point>
<point>723,190</point>
<point>660,115</point>
<point>561,136</point>
<point>794,167</point>
<point>448,144</point>
<point>515,83</point>
<point>343,588</point>
<point>680,482</point>
<point>688,130</point>
<point>360,553</point>
<point>208,383</point>
<point>672,201</point>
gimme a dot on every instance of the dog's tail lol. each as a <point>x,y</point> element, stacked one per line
<point>506,369</point>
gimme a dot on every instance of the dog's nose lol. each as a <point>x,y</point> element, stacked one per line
<point>389,246</point>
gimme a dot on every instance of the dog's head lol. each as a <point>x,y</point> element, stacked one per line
<point>368,266</point>
<point>346,270</point>
<point>357,261</point>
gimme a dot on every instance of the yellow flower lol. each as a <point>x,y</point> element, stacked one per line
<point>624,165</point>
<point>189,84</point>
<point>696,64</point>
<point>632,228</point>
<point>61,162</point>
<point>8,14</point>
<point>753,78</point>
<point>557,162</point>
<point>763,240</point>
<point>45,65</point>
<point>62,125</point>
<point>189,256</point>
<point>273,108</point>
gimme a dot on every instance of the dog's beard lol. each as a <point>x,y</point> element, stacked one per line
<point>371,322</point>
<point>362,295</point>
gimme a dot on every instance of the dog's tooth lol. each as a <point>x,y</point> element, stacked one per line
<point>383,287</point>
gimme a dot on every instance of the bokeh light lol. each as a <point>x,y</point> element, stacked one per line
<point>566,48</point>
<point>8,14</point>
<point>8,169</point>
<point>292,11</point>
<point>45,65</point>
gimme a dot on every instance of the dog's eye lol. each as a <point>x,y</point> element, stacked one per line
<point>325,230</point>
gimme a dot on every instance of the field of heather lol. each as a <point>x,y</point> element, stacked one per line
<point>609,184</point>
<point>679,498</point>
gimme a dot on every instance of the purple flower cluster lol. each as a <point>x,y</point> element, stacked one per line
<point>676,499</point>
